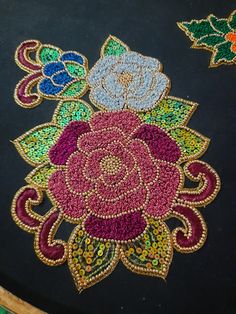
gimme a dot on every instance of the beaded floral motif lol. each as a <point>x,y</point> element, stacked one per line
<point>217,35</point>
<point>127,81</point>
<point>56,74</point>
<point>119,176</point>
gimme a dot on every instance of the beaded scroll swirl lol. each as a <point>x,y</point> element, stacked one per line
<point>217,35</point>
<point>115,169</point>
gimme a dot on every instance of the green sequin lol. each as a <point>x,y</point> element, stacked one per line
<point>168,113</point>
<point>72,111</point>
<point>75,70</point>
<point>114,47</point>
<point>189,141</point>
<point>149,249</point>
<point>98,259</point>
<point>41,175</point>
<point>75,89</point>
<point>37,143</point>
<point>48,54</point>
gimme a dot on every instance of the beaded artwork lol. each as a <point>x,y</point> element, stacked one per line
<point>54,73</point>
<point>117,172</point>
<point>214,34</point>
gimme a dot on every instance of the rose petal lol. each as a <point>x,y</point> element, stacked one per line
<point>163,192</point>
<point>67,142</point>
<point>99,139</point>
<point>125,120</point>
<point>146,163</point>
<point>121,228</point>
<point>127,204</point>
<point>119,150</point>
<point>160,144</point>
<point>131,182</point>
<point>74,174</point>
<point>72,205</point>
<point>92,168</point>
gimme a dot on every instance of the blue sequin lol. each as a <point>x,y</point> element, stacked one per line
<point>71,56</point>
<point>53,67</point>
<point>62,78</point>
<point>46,86</point>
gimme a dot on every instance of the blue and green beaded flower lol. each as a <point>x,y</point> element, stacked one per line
<point>63,73</point>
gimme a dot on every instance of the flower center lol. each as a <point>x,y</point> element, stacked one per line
<point>110,164</point>
<point>125,78</point>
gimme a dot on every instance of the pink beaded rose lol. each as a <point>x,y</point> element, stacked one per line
<point>116,172</point>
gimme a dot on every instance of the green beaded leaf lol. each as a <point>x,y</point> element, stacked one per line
<point>113,46</point>
<point>232,20</point>
<point>211,34</point>
<point>223,53</point>
<point>68,111</point>
<point>220,25</point>
<point>197,29</point>
<point>75,89</point>
<point>40,175</point>
<point>192,144</point>
<point>34,145</point>
<point>151,254</point>
<point>90,260</point>
<point>75,70</point>
<point>211,40</point>
<point>170,112</point>
<point>48,53</point>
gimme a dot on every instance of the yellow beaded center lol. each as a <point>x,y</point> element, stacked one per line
<point>125,79</point>
<point>110,164</point>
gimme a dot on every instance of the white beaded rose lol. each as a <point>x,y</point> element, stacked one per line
<point>127,81</point>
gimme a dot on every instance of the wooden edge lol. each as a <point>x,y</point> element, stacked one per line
<point>14,304</point>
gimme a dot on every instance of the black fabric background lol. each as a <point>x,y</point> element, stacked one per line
<point>203,282</point>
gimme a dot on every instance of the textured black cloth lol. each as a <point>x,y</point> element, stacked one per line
<point>199,283</point>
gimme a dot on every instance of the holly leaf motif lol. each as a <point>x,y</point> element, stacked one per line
<point>40,175</point>
<point>223,54</point>
<point>192,144</point>
<point>73,110</point>
<point>90,260</point>
<point>197,29</point>
<point>150,254</point>
<point>170,112</point>
<point>34,145</point>
<point>232,20</point>
<point>220,25</point>
<point>215,34</point>
<point>113,46</point>
<point>210,40</point>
